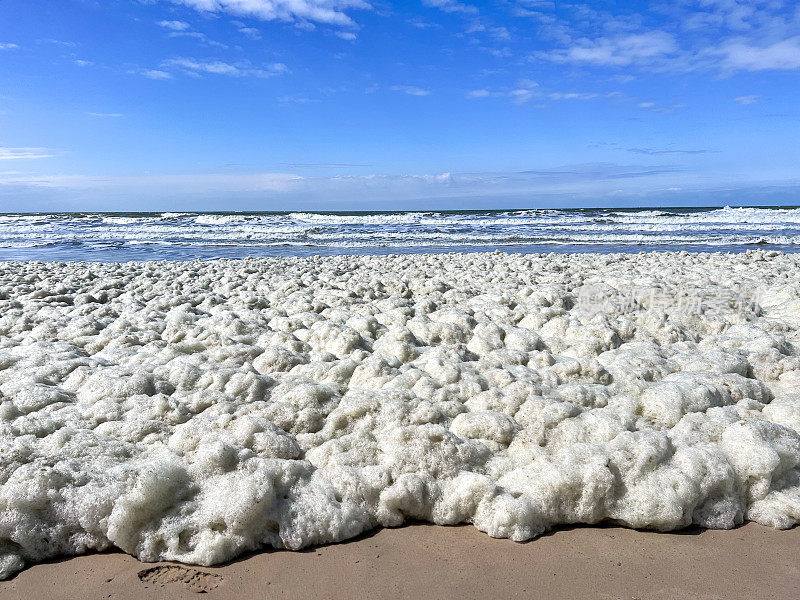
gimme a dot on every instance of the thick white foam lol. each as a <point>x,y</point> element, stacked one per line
<point>194,411</point>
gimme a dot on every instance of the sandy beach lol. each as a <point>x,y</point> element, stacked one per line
<point>426,561</point>
<point>198,411</point>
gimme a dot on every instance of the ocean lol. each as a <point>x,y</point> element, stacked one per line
<point>121,237</point>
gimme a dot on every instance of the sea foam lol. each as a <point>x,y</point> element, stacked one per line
<point>194,411</point>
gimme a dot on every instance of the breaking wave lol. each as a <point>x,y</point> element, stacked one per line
<point>139,236</point>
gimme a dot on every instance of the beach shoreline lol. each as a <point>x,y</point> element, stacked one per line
<point>420,560</point>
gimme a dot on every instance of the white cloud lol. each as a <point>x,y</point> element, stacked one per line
<point>331,12</point>
<point>346,35</point>
<point>422,24</point>
<point>251,32</point>
<point>192,66</point>
<point>528,83</point>
<point>83,63</point>
<point>175,25</point>
<point>522,95</point>
<point>182,29</point>
<point>256,182</point>
<point>638,48</point>
<point>56,42</point>
<point>735,15</point>
<point>190,34</point>
<point>156,74</point>
<point>410,90</point>
<point>524,92</point>
<point>202,37</point>
<point>666,152</point>
<point>22,153</point>
<point>295,100</point>
<point>8,46</point>
<point>783,55</point>
<point>751,99</point>
<point>670,109</point>
<point>452,6</point>
<point>105,115</point>
<point>694,35</point>
<point>573,95</point>
<point>527,89</point>
<point>500,33</point>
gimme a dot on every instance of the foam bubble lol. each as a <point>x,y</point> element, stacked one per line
<point>194,411</point>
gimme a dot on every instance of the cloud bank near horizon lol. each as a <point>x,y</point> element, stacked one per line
<point>596,184</point>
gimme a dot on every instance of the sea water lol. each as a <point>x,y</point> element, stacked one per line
<point>192,235</point>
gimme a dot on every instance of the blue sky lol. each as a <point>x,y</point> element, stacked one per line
<point>362,104</point>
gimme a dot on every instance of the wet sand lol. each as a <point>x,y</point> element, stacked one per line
<point>425,561</point>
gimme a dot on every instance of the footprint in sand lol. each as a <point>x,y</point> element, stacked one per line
<point>192,579</point>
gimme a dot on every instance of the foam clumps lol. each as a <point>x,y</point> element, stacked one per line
<point>195,411</point>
